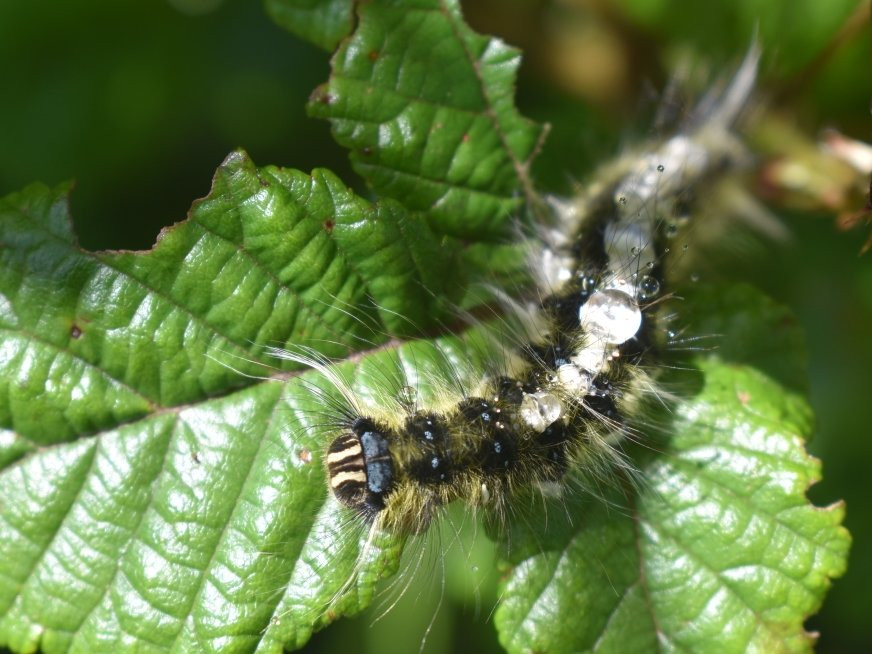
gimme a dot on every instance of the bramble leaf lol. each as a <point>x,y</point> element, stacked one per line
<point>426,107</point>
<point>270,257</point>
<point>716,549</point>
<point>145,503</point>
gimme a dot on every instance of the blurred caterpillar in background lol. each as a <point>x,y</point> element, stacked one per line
<point>564,399</point>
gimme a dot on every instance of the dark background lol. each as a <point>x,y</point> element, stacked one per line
<point>140,101</point>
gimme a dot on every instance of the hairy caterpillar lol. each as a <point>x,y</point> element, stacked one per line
<point>545,412</point>
<point>563,398</point>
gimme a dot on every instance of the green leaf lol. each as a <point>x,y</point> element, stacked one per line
<point>139,510</point>
<point>322,22</point>
<point>745,327</point>
<point>270,257</point>
<point>198,525</point>
<point>199,529</point>
<point>426,107</point>
<point>716,548</point>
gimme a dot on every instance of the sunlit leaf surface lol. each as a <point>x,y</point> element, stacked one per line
<point>426,107</point>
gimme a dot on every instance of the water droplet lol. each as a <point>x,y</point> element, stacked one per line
<point>671,229</point>
<point>588,283</point>
<point>573,379</point>
<point>635,251</point>
<point>622,200</point>
<point>684,247</point>
<point>649,287</point>
<point>694,277</point>
<point>660,168</point>
<point>539,410</point>
<point>611,316</point>
<point>650,265</point>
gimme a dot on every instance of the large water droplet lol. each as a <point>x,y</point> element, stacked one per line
<point>610,315</point>
<point>539,410</point>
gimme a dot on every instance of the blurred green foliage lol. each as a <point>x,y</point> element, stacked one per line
<point>139,102</point>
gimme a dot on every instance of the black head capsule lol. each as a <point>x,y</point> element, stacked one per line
<point>360,467</point>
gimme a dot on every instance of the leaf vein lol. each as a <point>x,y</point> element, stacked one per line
<point>57,527</point>
<point>172,430</point>
<point>195,597</point>
<point>153,404</point>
